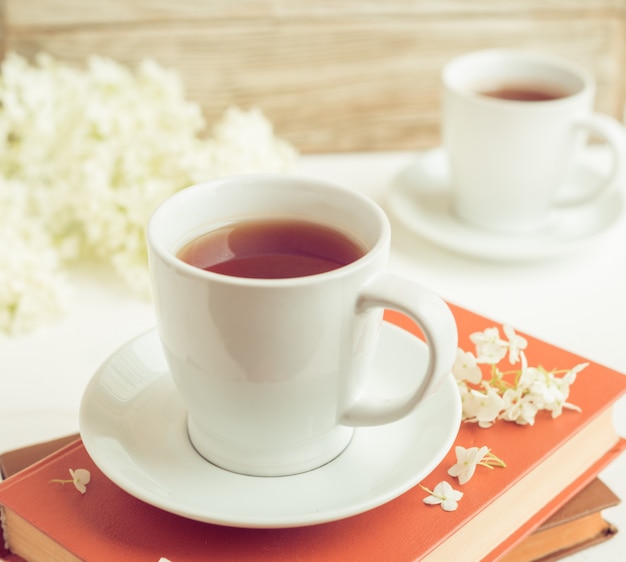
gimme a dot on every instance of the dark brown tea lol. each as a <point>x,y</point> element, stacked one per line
<point>272,249</point>
<point>521,92</point>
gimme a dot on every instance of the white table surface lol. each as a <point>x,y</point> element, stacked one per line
<point>577,302</point>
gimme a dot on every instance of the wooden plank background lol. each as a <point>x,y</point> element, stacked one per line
<point>332,75</point>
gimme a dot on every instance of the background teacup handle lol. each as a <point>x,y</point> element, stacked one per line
<point>614,135</point>
<point>434,318</point>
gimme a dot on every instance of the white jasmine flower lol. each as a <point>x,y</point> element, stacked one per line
<point>80,478</point>
<point>519,407</point>
<point>570,377</point>
<point>551,392</point>
<point>482,407</point>
<point>490,348</point>
<point>516,344</point>
<point>443,495</point>
<point>466,462</point>
<point>468,459</point>
<point>465,367</point>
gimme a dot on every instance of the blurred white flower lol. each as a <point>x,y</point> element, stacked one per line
<point>466,368</point>
<point>92,152</point>
<point>32,287</point>
<point>490,348</point>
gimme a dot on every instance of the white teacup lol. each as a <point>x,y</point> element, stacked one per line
<point>271,370</point>
<point>513,125</point>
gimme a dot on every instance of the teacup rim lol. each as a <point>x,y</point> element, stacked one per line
<point>576,71</point>
<point>168,256</point>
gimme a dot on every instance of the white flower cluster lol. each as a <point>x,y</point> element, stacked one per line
<point>31,283</point>
<point>515,395</point>
<point>87,154</point>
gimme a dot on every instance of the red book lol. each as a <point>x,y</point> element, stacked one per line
<point>545,468</point>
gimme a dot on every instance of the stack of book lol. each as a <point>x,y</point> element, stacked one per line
<point>577,525</point>
<point>546,503</point>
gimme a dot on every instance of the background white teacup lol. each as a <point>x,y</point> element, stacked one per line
<point>509,158</point>
<point>270,370</point>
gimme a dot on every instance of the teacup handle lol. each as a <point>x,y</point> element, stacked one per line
<point>614,135</point>
<point>437,323</point>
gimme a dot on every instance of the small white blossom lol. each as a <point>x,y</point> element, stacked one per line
<point>468,459</point>
<point>482,407</point>
<point>80,478</point>
<point>466,368</point>
<point>518,407</point>
<point>466,462</point>
<point>516,343</point>
<point>443,495</point>
<point>490,348</point>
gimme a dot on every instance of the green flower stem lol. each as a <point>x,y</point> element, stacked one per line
<point>490,461</point>
<point>429,491</point>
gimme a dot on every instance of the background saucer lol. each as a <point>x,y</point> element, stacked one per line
<point>420,198</point>
<point>133,425</point>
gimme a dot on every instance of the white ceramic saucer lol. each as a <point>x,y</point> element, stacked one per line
<point>420,199</point>
<point>134,427</point>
